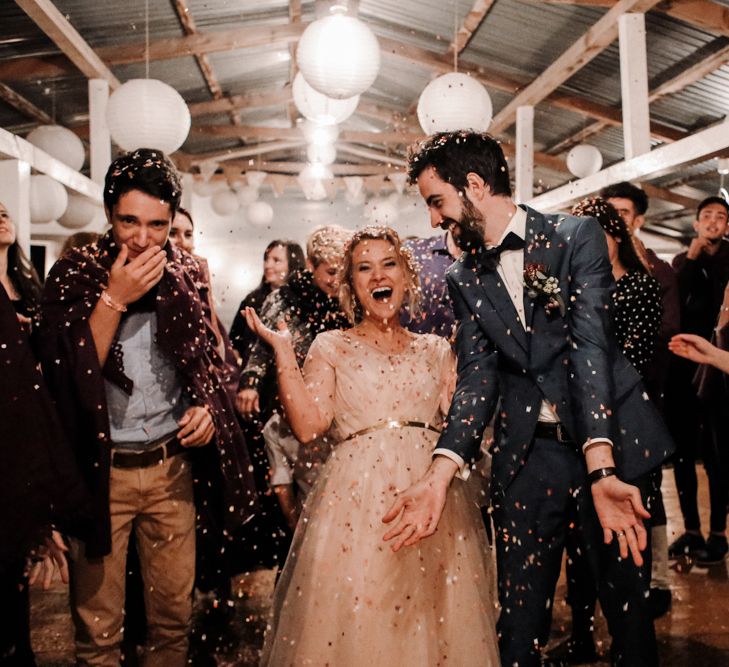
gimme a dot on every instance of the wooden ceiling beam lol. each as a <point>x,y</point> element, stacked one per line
<point>592,43</point>
<point>470,26</point>
<point>704,14</point>
<point>60,31</point>
<point>367,169</point>
<point>664,194</point>
<point>683,79</point>
<point>26,107</point>
<point>294,19</point>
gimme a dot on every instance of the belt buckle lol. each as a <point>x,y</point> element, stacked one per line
<point>560,434</point>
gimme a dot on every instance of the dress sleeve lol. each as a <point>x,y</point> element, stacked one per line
<point>447,372</point>
<point>319,373</point>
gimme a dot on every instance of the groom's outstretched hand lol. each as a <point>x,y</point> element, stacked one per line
<point>621,512</point>
<point>420,506</point>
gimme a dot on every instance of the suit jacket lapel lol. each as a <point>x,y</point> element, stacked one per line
<point>535,251</point>
<point>496,292</point>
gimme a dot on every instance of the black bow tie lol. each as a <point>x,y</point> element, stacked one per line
<point>489,257</point>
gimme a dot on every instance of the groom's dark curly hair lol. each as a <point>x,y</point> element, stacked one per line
<point>454,155</point>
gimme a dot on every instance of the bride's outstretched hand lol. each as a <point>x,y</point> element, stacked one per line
<point>274,338</point>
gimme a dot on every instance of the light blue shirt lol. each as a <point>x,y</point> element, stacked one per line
<point>156,402</point>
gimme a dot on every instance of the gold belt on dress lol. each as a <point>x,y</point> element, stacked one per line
<point>392,424</point>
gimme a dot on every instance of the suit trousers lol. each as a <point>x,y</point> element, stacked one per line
<point>532,518</point>
<point>157,503</point>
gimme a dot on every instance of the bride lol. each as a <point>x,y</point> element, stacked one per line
<point>345,597</point>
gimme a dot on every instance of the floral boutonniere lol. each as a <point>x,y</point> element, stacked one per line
<point>536,282</point>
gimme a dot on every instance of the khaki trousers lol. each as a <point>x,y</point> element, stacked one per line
<point>157,502</point>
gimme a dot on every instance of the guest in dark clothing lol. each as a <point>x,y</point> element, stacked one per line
<point>308,304</point>
<point>127,352</point>
<point>280,259</point>
<point>637,317</point>
<point>433,255</point>
<point>703,272</point>
<point>40,485</point>
<point>631,203</point>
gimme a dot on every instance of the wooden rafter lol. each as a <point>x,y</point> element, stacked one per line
<point>238,38</point>
<point>47,17</point>
<point>593,42</point>
<point>276,167</point>
<point>471,24</point>
<point>203,61</point>
<point>26,107</point>
<point>703,14</point>
<point>664,194</point>
<point>685,78</point>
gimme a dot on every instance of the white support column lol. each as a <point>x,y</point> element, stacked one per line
<point>100,140</point>
<point>15,195</point>
<point>524,170</point>
<point>634,85</point>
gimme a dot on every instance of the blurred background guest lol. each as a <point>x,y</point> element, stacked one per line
<point>307,302</point>
<point>637,319</point>
<point>280,259</point>
<point>40,483</point>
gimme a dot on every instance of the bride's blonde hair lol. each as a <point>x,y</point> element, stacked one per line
<point>347,298</point>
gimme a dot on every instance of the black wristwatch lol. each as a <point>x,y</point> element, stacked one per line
<point>601,473</point>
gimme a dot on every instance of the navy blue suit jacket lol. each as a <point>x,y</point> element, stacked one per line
<point>573,361</point>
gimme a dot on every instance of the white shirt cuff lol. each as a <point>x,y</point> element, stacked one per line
<point>594,441</point>
<point>464,470</point>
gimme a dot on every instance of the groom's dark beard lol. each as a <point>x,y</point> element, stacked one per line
<point>467,232</point>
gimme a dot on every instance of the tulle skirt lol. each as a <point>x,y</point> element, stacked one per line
<point>344,599</point>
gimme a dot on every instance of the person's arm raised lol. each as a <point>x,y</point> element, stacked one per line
<point>127,283</point>
<point>306,400</point>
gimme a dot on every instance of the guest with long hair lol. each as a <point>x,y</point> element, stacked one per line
<point>280,259</point>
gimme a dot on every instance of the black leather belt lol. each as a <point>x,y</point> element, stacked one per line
<point>169,446</point>
<point>553,431</point>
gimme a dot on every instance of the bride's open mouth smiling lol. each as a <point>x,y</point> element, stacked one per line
<point>382,294</point>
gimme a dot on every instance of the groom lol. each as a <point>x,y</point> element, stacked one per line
<point>576,435</point>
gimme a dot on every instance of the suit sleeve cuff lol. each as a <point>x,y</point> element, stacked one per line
<point>596,441</point>
<point>464,470</point>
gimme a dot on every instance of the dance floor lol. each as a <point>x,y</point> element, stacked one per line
<point>694,633</point>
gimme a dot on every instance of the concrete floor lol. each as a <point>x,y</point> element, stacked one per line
<point>694,634</point>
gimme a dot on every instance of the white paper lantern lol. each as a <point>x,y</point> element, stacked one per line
<point>452,102</point>
<point>60,143</point>
<point>247,194</point>
<point>256,178</point>
<point>314,133</point>
<point>259,214</point>
<point>80,211</point>
<point>320,108</point>
<point>147,113</point>
<point>339,56</point>
<point>204,188</point>
<point>321,153</point>
<point>310,179</point>
<point>48,199</point>
<point>382,212</point>
<point>225,202</point>
<point>584,160</point>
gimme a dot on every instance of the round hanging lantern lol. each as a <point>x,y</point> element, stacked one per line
<point>48,199</point>
<point>259,214</point>
<point>320,108</point>
<point>247,194</point>
<point>310,180</point>
<point>79,212</point>
<point>584,160</point>
<point>147,113</point>
<point>321,153</point>
<point>339,56</point>
<point>452,102</point>
<point>319,134</point>
<point>382,212</point>
<point>225,202</point>
<point>60,143</point>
